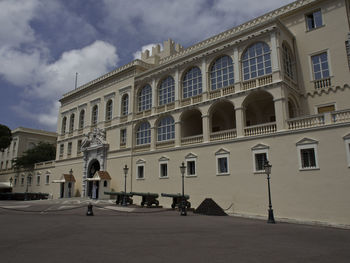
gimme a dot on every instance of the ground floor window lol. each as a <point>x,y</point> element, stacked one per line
<point>222,162</point>
<point>191,168</point>
<point>140,172</point>
<point>163,170</point>
<point>260,157</point>
<point>38,180</point>
<point>47,179</point>
<point>307,154</point>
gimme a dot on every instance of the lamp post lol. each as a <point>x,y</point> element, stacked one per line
<point>125,169</point>
<point>11,180</point>
<point>183,201</point>
<point>29,178</point>
<point>267,167</point>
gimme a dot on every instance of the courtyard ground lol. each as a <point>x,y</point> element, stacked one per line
<point>60,231</point>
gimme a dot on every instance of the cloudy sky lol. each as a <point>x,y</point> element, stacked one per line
<point>43,43</point>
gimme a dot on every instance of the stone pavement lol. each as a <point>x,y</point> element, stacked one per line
<point>60,231</point>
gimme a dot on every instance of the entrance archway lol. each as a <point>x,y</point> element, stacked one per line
<point>93,186</point>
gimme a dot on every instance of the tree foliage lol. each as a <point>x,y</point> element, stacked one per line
<point>40,153</point>
<point>5,137</point>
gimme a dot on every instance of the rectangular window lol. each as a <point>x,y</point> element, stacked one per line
<point>140,172</point>
<point>61,149</point>
<point>123,137</point>
<point>260,160</point>
<point>308,159</point>
<point>191,168</point>
<point>320,66</point>
<point>163,170</point>
<point>69,151</point>
<point>47,179</point>
<point>38,180</point>
<point>323,109</point>
<point>22,181</point>
<point>314,20</point>
<point>15,181</point>
<point>222,165</point>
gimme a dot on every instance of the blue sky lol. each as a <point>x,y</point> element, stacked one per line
<point>44,42</point>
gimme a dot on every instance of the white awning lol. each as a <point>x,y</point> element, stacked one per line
<point>5,185</point>
<point>93,179</point>
<point>59,181</point>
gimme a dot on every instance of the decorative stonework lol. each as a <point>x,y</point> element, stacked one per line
<point>95,147</point>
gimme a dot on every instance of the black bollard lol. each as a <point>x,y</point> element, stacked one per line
<point>89,211</point>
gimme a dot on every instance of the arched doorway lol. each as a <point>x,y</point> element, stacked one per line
<point>93,186</point>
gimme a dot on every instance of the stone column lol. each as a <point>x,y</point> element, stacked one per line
<point>281,113</point>
<point>177,88</point>
<point>274,55</point>
<point>153,137</point>
<point>206,131</point>
<point>204,78</point>
<point>154,96</point>
<point>177,133</point>
<point>240,121</point>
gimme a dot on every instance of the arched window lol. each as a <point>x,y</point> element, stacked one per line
<point>94,115</point>
<point>145,98</point>
<point>288,61</point>
<point>192,83</point>
<point>109,107</point>
<point>125,105</point>
<point>166,92</point>
<point>256,61</point>
<point>221,73</point>
<point>71,123</point>
<point>64,124</point>
<point>81,119</point>
<point>166,129</point>
<point>143,134</point>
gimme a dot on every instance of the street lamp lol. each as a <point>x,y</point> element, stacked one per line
<point>125,169</point>
<point>183,201</point>
<point>29,178</point>
<point>11,180</point>
<point>267,168</point>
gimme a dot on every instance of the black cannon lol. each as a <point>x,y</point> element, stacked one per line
<point>148,199</point>
<point>177,200</point>
<point>120,197</point>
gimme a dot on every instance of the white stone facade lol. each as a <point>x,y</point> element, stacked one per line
<point>276,88</point>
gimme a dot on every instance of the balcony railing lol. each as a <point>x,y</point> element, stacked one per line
<point>165,144</point>
<point>221,92</point>
<point>257,82</point>
<point>223,135</point>
<point>166,107</point>
<point>265,128</point>
<point>142,148</point>
<point>306,122</point>
<point>322,83</point>
<point>192,139</point>
<point>341,116</point>
<point>188,101</point>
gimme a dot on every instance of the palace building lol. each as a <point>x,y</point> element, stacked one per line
<point>275,88</point>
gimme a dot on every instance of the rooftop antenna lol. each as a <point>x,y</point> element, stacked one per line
<point>76,79</point>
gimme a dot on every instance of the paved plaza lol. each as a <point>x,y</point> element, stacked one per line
<point>60,231</point>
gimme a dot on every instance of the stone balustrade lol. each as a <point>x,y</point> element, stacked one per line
<point>341,116</point>
<point>192,139</point>
<point>223,135</point>
<point>322,83</point>
<point>306,122</point>
<point>265,128</point>
<point>165,144</point>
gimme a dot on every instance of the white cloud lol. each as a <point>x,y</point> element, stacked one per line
<point>27,64</point>
<point>137,54</point>
<point>14,21</point>
<point>182,20</point>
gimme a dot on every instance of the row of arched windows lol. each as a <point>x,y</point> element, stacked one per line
<point>94,115</point>
<point>165,131</point>
<point>256,62</point>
